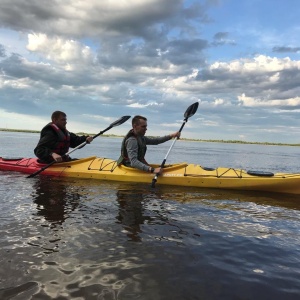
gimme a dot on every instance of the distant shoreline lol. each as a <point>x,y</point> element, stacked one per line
<point>192,140</point>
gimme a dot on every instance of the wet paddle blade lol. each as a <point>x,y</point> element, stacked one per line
<point>191,110</point>
<point>120,121</point>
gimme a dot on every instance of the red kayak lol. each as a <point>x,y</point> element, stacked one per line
<point>24,165</point>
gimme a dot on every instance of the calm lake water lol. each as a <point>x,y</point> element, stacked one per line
<point>85,239</point>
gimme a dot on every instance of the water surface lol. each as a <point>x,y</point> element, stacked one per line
<point>87,239</point>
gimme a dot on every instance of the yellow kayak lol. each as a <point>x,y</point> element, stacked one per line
<point>181,174</point>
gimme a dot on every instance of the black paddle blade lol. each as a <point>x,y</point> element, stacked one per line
<point>191,110</point>
<point>153,182</point>
<point>120,121</point>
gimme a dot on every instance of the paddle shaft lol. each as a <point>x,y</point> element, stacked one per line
<point>165,159</point>
<point>84,143</point>
<point>191,110</point>
<point>173,143</point>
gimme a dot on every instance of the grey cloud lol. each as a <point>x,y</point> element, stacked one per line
<point>41,99</point>
<point>255,84</point>
<point>198,11</point>
<point>47,82</point>
<point>2,51</point>
<point>222,38</point>
<point>96,19</point>
<point>288,82</point>
<point>153,54</point>
<point>140,20</point>
<point>221,35</point>
<point>284,49</point>
<point>28,15</point>
<point>14,67</point>
<point>53,76</point>
<point>185,51</point>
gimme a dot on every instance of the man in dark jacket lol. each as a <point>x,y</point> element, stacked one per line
<point>134,145</point>
<point>55,140</point>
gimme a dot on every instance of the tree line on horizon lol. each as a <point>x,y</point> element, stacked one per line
<point>184,139</point>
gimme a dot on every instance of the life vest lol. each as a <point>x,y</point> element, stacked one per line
<point>142,148</point>
<point>63,144</point>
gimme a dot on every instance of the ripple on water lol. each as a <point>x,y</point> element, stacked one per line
<point>69,239</point>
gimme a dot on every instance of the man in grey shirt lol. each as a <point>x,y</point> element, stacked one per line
<point>134,146</point>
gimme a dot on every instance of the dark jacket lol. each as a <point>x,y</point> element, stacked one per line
<point>58,141</point>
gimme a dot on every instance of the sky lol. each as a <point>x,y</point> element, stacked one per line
<point>100,60</point>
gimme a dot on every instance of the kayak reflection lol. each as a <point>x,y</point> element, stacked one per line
<point>131,213</point>
<point>134,211</point>
<point>54,200</point>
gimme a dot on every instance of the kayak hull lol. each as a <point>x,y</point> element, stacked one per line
<point>181,174</point>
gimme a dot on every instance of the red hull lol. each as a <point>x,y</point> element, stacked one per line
<point>23,165</point>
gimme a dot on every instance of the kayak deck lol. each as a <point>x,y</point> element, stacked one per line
<point>181,174</point>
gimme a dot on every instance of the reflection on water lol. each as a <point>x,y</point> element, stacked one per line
<point>131,213</point>
<point>54,202</point>
<point>85,239</point>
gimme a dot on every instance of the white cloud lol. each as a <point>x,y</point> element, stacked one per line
<point>258,102</point>
<point>260,63</point>
<point>140,105</point>
<point>60,50</point>
<point>218,102</point>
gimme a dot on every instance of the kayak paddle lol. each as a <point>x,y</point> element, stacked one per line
<point>191,110</point>
<point>116,123</point>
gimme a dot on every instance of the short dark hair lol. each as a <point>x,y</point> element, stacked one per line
<point>136,120</point>
<point>57,114</point>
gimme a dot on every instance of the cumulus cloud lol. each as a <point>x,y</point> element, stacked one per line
<point>59,50</point>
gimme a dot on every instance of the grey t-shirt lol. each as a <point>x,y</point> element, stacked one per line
<point>132,149</point>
